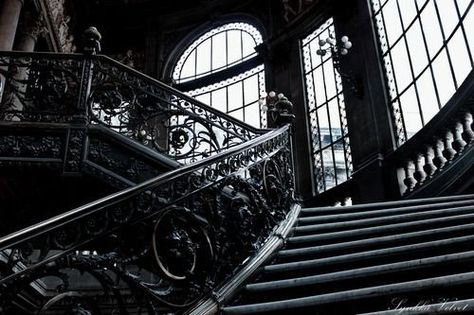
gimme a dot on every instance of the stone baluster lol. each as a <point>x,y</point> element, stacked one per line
<point>409,180</point>
<point>439,160</point>
<point>458,142</point>
<point>468,133</point>
<point>448,151</point>
<point>419,173</point>
<point>429,167</point>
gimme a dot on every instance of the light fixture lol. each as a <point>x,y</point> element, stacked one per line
<point>278,108</point>
<point>338,49</point>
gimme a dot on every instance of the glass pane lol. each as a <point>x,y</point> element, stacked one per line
<point>219,54</point>
<point>252,115</point>
<point>393,26</point>
<point>205,98</point>
<point>443,76</point>
<point>318,81</point>
<point>428,100</point>
<point>411,113</point>
<point>329,79</point>
<point>417,49</point>
<point>448,15</point>
<point>235,96</point>
<point>468,23</point>
<point>234,46</point>
<point>335,119</point>
<point>203,62</point>
<point>408,9</point>
<point>329,171</point>
<point>189,67</point>
<point>401,64</point>
<point>219,99</point>
<point>459,56</point>
<point>248,44</point>
<point>238,114</point>
<point>251,93</point>
<point>431,26</point>
<point>323,123</point>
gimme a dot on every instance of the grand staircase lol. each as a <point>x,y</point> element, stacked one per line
<point>405,257</point>
<point>203,218</point>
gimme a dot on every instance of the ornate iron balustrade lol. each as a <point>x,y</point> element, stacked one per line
<point>159,242</point>
<point>45,87</point>
<point>432,153</point>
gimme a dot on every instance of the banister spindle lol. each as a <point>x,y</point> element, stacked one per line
<point>419,173</point>
<point>468,133</point>
<point>458,142</point>
<point>439,160</point>
<point>429,166</point>
<point>409,181</point>
<point>448,151</point>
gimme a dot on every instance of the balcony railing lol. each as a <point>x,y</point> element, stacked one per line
<point>44,87</point>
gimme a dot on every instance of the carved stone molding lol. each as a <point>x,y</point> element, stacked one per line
<point>293,8</point>
<point>58,25</point>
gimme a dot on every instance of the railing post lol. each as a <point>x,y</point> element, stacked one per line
<point>92,39</point>
<point>77,136</point>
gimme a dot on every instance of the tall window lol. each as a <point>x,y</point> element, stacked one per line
<point>427,51</point>
<point>222,69</point>
<point>330,141</point>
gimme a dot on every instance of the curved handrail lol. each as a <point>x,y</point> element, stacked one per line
<point>97,205</point>
<point>218,209</point>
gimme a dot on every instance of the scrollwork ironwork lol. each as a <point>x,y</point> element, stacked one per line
<point>169,240</point>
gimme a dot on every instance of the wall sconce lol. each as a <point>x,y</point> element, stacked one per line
<point>337,50</point>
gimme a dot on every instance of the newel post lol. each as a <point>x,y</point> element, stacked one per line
<point>91,38</point>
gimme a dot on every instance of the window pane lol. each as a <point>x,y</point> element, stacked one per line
<point>443,76</point>
<point>411,113</point>
<point>219,53</point>
<point>448,15</point>
<point>416,47</point>
<point>326,111</point>
<point>459,56</point>
<point>204,57</point>
<point>431,26</point>
<point>401,65</point>
<point>392,21</point>
<point>218,48</point>
<point>428,53</point>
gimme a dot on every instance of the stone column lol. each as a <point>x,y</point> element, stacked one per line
<point>9,15</point>
<point>31,26</point>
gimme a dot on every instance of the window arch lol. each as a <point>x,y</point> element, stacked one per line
<point>222,69</point>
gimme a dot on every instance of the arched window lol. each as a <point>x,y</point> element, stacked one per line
<point>427,51</point>
<point>331,152</point>
<point>223,69</point>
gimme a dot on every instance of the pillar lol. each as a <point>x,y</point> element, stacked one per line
<point>9,15</point>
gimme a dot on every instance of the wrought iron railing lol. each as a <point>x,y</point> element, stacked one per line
<point>156,244</point>
<point>45,87</point>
